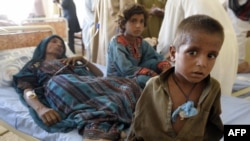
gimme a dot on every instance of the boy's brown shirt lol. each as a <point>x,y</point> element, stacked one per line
<point>152,120</point>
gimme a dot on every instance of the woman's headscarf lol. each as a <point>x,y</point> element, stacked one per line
<point>40,51</point>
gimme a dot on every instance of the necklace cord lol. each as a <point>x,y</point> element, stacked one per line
<point>183,93</point>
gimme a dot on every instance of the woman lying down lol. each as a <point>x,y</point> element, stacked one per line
<point>62,95</point>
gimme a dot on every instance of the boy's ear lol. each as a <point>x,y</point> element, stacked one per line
<point>172,51</point>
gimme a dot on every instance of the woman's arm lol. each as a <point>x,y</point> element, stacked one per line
<point>92,68</point>
<point>47,115</point>
<point>24,82</point>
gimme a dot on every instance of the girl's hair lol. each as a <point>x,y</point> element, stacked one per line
<point>129,12</point>
<point>200,23</point>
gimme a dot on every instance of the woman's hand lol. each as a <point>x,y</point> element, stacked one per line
<point>91,67</point>
<point>48,116</point>
<point>73,60</point>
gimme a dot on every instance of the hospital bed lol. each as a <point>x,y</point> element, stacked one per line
<point>16,50</point>
<point>17,44</point>
<point>241,86</point>
<point>60,25</point>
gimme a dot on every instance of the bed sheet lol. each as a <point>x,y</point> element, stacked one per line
<point>235,110</point>
<point>241,86</point>
<point>13,112</point>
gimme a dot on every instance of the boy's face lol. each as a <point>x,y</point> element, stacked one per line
<point>196,57</point>
<point>135,25</point>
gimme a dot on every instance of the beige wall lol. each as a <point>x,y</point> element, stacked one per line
<point>51,9</point>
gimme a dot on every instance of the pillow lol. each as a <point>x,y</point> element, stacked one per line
<point>12,61</point>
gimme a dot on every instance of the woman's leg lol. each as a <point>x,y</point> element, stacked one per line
<point>99,107</point>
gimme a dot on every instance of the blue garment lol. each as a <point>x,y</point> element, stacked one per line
<point>125,60</point>
<point>186,110</point>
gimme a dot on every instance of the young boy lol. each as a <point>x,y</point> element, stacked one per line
<point>128,54</point>
<point>183,103</point>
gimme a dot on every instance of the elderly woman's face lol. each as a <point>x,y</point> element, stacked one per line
<point>55,46</point>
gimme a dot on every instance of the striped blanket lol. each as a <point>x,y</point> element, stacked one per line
<point>96,106</point>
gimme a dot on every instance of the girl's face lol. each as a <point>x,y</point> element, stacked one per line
<point>55,47</point>
<point>135,25</point>
<point>195,59</point>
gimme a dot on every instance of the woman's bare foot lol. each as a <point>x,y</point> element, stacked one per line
<point>244,67</point>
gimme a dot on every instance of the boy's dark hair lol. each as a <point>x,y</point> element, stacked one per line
<point>129,12</point>
<point>196,23</point>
